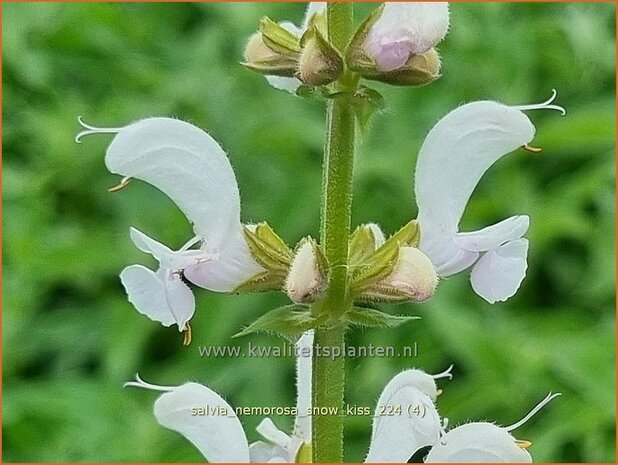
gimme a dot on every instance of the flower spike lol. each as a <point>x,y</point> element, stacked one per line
<point>545,105</point>
<point>88,130</point>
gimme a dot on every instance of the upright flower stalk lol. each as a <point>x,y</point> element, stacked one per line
<point>329,373</point>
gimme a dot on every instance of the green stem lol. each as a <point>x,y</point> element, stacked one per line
<point>329,371</point>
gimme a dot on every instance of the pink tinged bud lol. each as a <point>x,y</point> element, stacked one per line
<point>405,29</point>
<point>306,278</point>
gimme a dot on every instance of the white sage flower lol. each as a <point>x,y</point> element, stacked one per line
<point>405,29</point>
<point>291,84</point>
<point>190,167</point>
<point>412,424</point>
<point>482,442</point>
<point>454,156</point>
<point>218,434</point>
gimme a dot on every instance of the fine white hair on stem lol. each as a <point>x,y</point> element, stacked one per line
<point>533,412</point>
<point>140,383</point>
<point>89,129</point>
<point>545,105</point>
<point>445,374</point>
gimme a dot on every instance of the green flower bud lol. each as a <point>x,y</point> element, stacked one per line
<point>320,63</point>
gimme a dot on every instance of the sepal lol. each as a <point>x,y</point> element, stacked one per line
<point>289,321</point>
<point>319,63</point>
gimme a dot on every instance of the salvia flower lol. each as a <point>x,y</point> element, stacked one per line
<point>219,436</point>
<point>404,29</point>
<point>190,167</point>
<point>418,432</point>
<point>453,158</point>
<point>395,438</point>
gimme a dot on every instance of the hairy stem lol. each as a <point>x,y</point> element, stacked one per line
<point>329,371</point>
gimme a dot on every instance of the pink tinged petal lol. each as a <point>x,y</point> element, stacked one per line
<point>478,443</point>
<point>495,235</point>
<point>161,296</point>
<point>396,438</point>
<point>219,437</point>
<point>302,424</point>
<point>166,256</point>
<point>499,272</point>
<point>186,164</point>
<point>454,156</point>
<point>232,266</point>
<point>404,29</point>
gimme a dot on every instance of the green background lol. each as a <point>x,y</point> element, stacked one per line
<point>70,338</point>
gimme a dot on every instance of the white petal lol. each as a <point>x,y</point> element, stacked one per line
<point>312,9</point>
<point>284,83</point>
<point>232,266</point>
<point>495,235</point>
<point>219,437</point>
<point>186,164</point>
<point>263,452</point>
<point>455,155</point>
<point>302,425</point>
<point>161,296</point>
<point>461,260</point>
<point>499,273</point>
<point>166,257</point>
<point>478,443</point>
<point>396,438</point>
<point>404,29</point>
<point>378,235</point>
<point>271,433</point>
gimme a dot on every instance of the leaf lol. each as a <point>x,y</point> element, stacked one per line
<point>288,321</point>
<point>363,316</point>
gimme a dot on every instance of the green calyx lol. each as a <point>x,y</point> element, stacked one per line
<point>371,267</point>
<point>271,253</point>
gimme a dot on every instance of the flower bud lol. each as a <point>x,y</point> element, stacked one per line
<point>306,279</point>
<point>320,63</point>
<point>396,43</point>
<point>403,30</point>
<point>261,58</point>
<point>413,279</point>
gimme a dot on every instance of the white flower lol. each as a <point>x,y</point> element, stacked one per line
<point>190,167</point>
<point>455,154</point>
<point>219,436</point>
<point>482,442</point>
<point>399,434</point>
<point>405,29</point>
<point>417,427</point>
<point>290,84</point>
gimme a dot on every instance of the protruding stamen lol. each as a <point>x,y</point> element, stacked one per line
<point>444,374</point>
<point>532,149</point>
<point>439,392</point>
<point>190,243</point>
<point>523,444</point>
<point>120,185</point>
<point>187,335</point>
<point>538,407</point>
<point>88,129</point>
<point>545,105</point>
<point>140,383</point>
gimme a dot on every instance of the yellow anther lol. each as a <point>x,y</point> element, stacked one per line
<point>120,186</point>
<point>532,149</point>
<point>187,336</point>
<point>438,392</point>
<point>523,444</point>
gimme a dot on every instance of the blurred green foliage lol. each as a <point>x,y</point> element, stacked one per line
<point>70,339</point>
